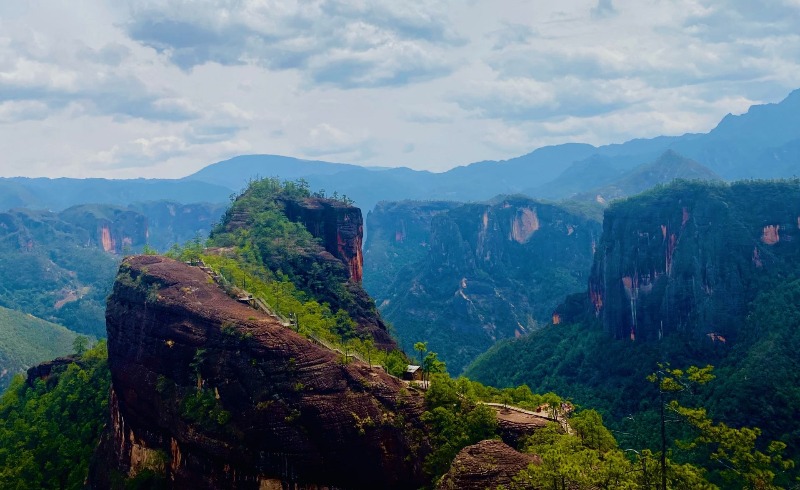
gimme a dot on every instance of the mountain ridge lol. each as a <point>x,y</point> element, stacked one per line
<point>763,142</point>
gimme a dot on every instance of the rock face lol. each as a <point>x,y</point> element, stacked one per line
<point>44,370</point>
<point>210,393</point>
<point>399,237</point>
<point>326,263</point>
<point>483,272</point>
<point>339,226</point>
<point>485,465</point>
<point>689,258</point>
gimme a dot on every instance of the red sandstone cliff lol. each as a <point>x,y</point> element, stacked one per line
<point>688,259</point>
<point>327,265</point>
<point>275,410</point>
<point>338,225</point>
<point>487,464</point>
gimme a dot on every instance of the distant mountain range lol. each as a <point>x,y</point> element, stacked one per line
<point>665,169</point>
<point>59,194</point>
<point>762,143</point>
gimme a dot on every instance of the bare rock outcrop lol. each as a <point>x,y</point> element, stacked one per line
<point>209,393</point>
<point>339,226</point>
<point>485,465</point>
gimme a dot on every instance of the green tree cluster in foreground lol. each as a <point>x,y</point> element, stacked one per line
<point>589,457</point>
<point>755,386</point>
<point>48,431</point>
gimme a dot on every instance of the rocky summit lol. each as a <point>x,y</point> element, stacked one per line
<point>215,394</point>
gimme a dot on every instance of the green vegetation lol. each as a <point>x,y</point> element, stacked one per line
<point>700,254</point>
<point>593,370</point>
<point>456,419</point>
<point>261,251</point>
<point>257,226</point>
<point>55,266</point>
<point>202,408</point>
<point>734,450</point>
<point>48,431</point>
<point>308,317</point>
<point>709,455</point>
<point>587,457</point>
<point>724,275</point>
<point>590,459</point>
<point>26,341</point>
<point>55,276</point>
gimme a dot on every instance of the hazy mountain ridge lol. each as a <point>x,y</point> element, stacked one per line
<point>762,143</point>
<point>62,193</point>
<point>668,167</point>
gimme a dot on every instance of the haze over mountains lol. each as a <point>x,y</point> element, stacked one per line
<point>762,143</point>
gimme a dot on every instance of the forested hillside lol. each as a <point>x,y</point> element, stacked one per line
<point>719,286</point>
<point>26,341</point>
<point>49,426</point>
<point>60,266</point>
<point>463,277</point>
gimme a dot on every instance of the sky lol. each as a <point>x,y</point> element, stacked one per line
<point>158,88</point>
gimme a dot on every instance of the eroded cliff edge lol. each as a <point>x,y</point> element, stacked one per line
<point>691,257</point>
<point>209,393</point>
<point>314,242</point>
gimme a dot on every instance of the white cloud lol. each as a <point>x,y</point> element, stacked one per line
<point>327,140</point>
<point>525,99</point>
<point>15,111</point>
<point>345,44</point>
<point>142,152</point>
<point>164,87</point>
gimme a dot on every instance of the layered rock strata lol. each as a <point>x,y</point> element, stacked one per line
<point>488,464</point>
<point>209,393</point>
<point>690,258</point>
